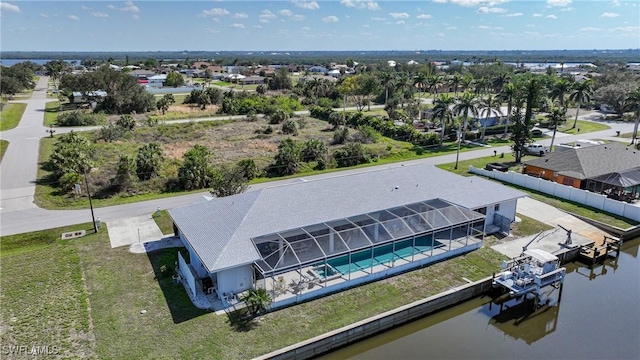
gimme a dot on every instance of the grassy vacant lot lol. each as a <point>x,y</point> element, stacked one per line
<point>88,302</point>
<point>586,211</point>
<point>582,127</point>
<point>11,115</point>
<point>4,144</point>
<point>179,98</point>
<point>51,112</point>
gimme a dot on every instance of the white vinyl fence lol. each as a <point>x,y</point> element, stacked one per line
<point>186,273</point>
<point>579,196</point>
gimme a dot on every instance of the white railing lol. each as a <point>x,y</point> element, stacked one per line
<point>186,274</point>
<point>579,196</point>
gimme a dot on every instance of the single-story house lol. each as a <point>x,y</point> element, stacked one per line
<point>318,69</point>
<point>79,97</point>
<point>157,80</point>
<point>251,80</point>
<point>309,238</point>
<point>141,73</point>
<point>579,167</point>
<point>304,79</point>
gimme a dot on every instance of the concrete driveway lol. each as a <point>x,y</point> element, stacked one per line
<point>133,230</point>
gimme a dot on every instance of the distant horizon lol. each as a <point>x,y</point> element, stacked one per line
<point>310,25</point>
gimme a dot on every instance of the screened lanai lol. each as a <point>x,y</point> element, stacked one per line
<point>341,246</point>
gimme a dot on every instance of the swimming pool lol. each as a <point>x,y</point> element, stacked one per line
<point>381,255</point>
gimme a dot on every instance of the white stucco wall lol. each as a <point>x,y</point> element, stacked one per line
<point>193,258</point>
<point>235,280</point>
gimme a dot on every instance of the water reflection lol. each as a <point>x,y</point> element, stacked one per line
<point>520,322</point>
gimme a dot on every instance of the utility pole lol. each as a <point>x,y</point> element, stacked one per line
<point>86,182</point>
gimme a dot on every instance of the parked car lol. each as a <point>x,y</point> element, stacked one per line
<point>536,149</point>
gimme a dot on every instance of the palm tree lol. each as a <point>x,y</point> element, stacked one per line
<point>432,83</point>
<point>466,82</point>
<point>388,80</point>
<point>442,110</point>
<point>633,104</point>
<point>559,89</point>
<point>455,81</point>
<point>489,106</point>
<point>555,116</point>
<point>420,80</point>
<point>508,93</point>
<point>465,105</point>
<point>500,81</point>
<point>257,300</point>
<point>480,85</point>
<point>581,93</point>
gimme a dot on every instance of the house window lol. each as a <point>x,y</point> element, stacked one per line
<point>482,211</point>
<point>496,208</point>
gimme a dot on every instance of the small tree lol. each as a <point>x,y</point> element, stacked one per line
<point>340,136</point>
<point>278,117</point>
<point>228,180</point>
<point>195,172</point>
<point>249,169</point>
<point>352,154</point>
<point>337,119</point>
<point>174,79</point>
<point>287,160</point>
<point>126,122</point>
<point>289,127</point>
<point>124,173</point>
<point>148,161</point>
<point>257,300</point>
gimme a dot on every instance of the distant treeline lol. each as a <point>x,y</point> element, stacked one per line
<point>324,57</point>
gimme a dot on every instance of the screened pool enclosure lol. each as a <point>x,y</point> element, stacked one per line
<point>342,249</point>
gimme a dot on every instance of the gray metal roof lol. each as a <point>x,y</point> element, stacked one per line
<point>623,179</point>
<point>220,230</point>
<point>589,162</point>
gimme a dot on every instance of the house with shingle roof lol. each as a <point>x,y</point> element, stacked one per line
<point>309,238</point>
<point>579,167</point>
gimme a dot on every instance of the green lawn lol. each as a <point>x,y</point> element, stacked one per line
<point>4,144</point>
<point>51,112</point>
<point>90,296</point>
<point>629,135</point>
<point>164,222</point>
<point>179,98</point>
<point>582,127</point>
<point>591,213</point>
<point>11,115</point>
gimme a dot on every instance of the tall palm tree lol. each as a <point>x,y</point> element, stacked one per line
<point>388,80</point>
<point>555,116</point>
<point>466,82</point>
<point>500,81</point>
<point>508,93</point>
<point>532,91</point>
<point>488,107</point>
<point>442,110</point>
<point>432,83</point>
<point>633,104</point>
<point>420,80</point>
<point>480,85</point>
<point>455,80</point>
<point>466,104</point>
<point>559,89</point>
<point>581,93</point>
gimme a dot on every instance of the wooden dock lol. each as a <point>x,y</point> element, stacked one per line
<point>600,249</point>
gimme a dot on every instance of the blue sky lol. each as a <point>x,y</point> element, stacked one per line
<point>319,25</point>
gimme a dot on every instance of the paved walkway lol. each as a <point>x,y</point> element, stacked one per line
<point>134,230</point>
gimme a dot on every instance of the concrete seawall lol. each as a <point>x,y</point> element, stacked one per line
<point>379,323</point>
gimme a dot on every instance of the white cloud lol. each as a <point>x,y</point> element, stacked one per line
<point>551,17</point>
<point>498,28</point>
<point>378,19</point>
<point>491,10</point>
<point>73,17</point>
<point>396,15</point>
<point>240,15</point>
<point>99,14</point>
<point>484,27</point>
<point>361,4</point>
<point>135,16</point>
<point>285,12</point>
<point>400,22</point>
<point>266,15</point>
<point>537,15</point>
<point>298,17</point>
<point>215,12</point>
<point>513,14</point>
<point>83,7</point>
<point>307,5</point>
<point>237,26</point>
<point>5,6</point>
<point>440,34</point>
<point>424,16</point>
<point>44,15</point>
<point>590,28</point>
<point>615,3</point>
<point>558,2</point>
<point>451,28</point>
<point>257,26</point>
<point>530,25</point>
<point>330,19</point>
<point>472,3</point>
<point>609,15</point>
<point>211,31</point>
<point>128,6</point>
<point>305,28</point>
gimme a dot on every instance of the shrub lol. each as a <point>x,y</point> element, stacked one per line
<point>352,154</point>
<point>111,133</point>
<point>76,118</point>
<point>289,127</point>
<point>366,135</point>
<point>126,122</point>
<point>471,135</point>
<point>68,181</point>
<point>340,136</point>
<point>248,168</point>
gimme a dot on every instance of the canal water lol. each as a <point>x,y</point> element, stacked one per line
<point>598,317</point>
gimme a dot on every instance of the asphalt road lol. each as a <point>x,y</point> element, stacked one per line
<point>18,213</point>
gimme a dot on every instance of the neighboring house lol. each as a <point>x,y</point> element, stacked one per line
<point>251,80</point>
<point>580,167</point>
<point>318,69</point>
<point>200,65</point>
<point>79,97</point>
<point>157,80</point>
<point>412,62</point>
<point>321,236</point>
<point>233,77</point>
<point>304,79</point>
<point>335,73</point>
<point>141,74</point>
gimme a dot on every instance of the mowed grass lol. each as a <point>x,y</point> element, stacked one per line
<point>164,222</point>
<point>582,127</point>
<point>11,115</point>
<point>43,295</point>
<point>4,144</point>
<point>463,166</point>
<point>51,110</point>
